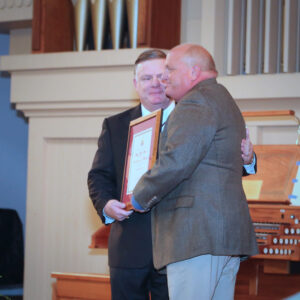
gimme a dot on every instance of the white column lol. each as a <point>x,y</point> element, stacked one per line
<point>66,96</point>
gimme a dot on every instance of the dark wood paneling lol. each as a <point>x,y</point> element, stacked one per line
<point>143,21</point>
<point>269,286</point>
<point>52,27</point>
<point>36,25</point>
<point>165,23</point>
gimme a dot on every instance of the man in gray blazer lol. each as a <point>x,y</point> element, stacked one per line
<point>201,223</point>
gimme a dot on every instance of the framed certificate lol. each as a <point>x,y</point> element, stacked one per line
<point>141,152</point>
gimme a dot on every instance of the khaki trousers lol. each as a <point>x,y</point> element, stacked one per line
<point>203,277</point>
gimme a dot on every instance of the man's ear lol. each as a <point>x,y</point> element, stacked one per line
<point>195,72</point>
<point>134,82</point>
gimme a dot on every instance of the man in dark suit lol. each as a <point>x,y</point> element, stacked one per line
<point>200,218</point>
<point>133,276</point>
<point>132,273</point>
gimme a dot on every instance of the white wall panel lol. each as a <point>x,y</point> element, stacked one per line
<point>60,215</point>
<point>289,35</point>
<point>252,37</point>
<point>234,29</point>
<point>272,35</point>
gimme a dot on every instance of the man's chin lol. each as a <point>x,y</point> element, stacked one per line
<point>158,99</point>
<point>169,93</point>
<point>160,102</point>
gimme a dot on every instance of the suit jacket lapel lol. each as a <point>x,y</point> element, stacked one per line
<point>133,114</point>
<point>136,112</point>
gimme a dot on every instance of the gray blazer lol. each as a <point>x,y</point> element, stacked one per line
<point>195,188</point>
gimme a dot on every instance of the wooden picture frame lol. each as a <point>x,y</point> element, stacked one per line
<point>141,152</point>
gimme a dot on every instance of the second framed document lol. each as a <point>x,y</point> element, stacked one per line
<point>143,136</point>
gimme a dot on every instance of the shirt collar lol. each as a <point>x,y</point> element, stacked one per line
<point>166,111</point>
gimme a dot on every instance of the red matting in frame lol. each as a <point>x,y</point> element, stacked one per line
<point>144,130</point>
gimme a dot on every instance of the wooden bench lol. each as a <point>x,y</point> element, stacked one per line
<point>81,286</point>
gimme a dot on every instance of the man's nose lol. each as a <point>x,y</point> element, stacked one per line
<point>164,77</point>
<point>156,81</point>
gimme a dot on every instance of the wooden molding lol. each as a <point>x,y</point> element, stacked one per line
<point>268,113</point>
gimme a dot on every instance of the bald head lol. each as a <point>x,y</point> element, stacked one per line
<point>195,55</point>
<point>186,66</point>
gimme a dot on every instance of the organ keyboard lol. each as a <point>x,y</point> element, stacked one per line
<point>278,234</point>
<point>273,196</point>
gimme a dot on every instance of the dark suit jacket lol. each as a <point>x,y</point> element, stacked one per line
<point>195,188</point>
<point>130,243</point>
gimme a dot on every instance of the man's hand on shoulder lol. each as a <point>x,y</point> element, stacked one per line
<point>247,149</point>
<point>116,210</point>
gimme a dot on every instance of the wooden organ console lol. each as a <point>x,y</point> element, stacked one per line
<point>273,195</point>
